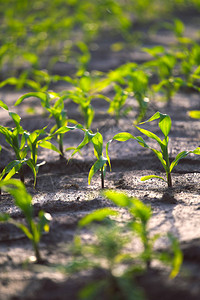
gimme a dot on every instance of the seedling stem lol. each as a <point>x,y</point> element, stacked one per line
<point>102,178</point>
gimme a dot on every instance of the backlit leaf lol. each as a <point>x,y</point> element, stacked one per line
<point>123,136</point>
<point>3,105</point>
<point>144,178</point>
<point>97,166</point>
<point>150,134</point>
<point>16,118</point>
<point>97,142</point>
<point>42,96</point>
<point>165,124</point>
<point>178,157</point>
<point>195,114</point>
<point>97,215</point>
<point>196,151</point>
<point>49,145</point>
<point>120,199</point>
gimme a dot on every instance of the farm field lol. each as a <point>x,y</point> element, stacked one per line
<point>76,262</point>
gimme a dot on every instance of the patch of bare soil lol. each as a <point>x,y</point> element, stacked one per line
<point>63,191</point>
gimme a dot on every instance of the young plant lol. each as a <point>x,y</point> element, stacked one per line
<point>85,90</point>
<point>101,162</point>
<point>162,155</point>
<point>140,217</point>
<point>133,82</point>
<point>23,200</point>
<point>189,63</point>
<point>56,110</point>
<point>138,84</point>
<point>21,141</point>
<point>34,141</point>
<point>16,138</point>
<point>109,249</point>
<point>164,65</point>
<point>116,107</point>
<point>10,170</point>
<point>106,253</point>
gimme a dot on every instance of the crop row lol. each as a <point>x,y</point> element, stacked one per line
<point>162,76</point>
<point>53,29</point>
<point>110,251</point>
<point>25,144</point>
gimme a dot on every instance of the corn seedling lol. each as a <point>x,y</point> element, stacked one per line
<point>140,217</point>
<point>22,142</point>
<point>55,110</point>
<point>16,138</point>
<point>107,253</point>
<point>162,155</point>
<point>133,82</point>
<point>109,249</point>
<point>85,90</point>
<point>100,165</point>
<point>34,141</point>
<point>23,200</point>
<point>117,105</point>
<point>189,63</point>
<point>138,83</point>
<point>10,170</point>
<point>164,65</point>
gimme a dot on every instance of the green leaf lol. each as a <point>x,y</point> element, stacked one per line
<point>11,169</point>
<point>178,28</point>
<point>97,166</point>
<point>4,217</point>
<point>123,136</point>
<point>107,155</point>
<point>3,105</point>
<point>97,142</point>
<point>178,256</point>
<point>150,134</point>
<point>120,199</point>
<point>155,50</point>
<point>32,165</point>
<point>97,215</point>
<point>177,158</point>
<point>42,96</point>
<point>16,118</point>
<point>88,136</point>
<point>21,198</point>
<point>49,145</point>
<point>140,210</point>
<point>195,114</point>
<point>25,230</point>
<point>144,178</point>
<point>196,151</point>
<point>156,116</point>
<point>165,124</point>
<point>160,157</point>
<point>11,81</point>
<point>141,142</point>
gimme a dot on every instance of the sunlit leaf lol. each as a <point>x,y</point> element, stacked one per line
<point>178,157</point>
<point>195,114</point>
<point>144,178</point>
<point>123,136</point>
<point>97,215</point>
<point>3,105</point>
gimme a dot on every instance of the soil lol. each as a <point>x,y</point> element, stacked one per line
<point>64,192</point>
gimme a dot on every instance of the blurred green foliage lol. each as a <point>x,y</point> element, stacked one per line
<point>39,32</point>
